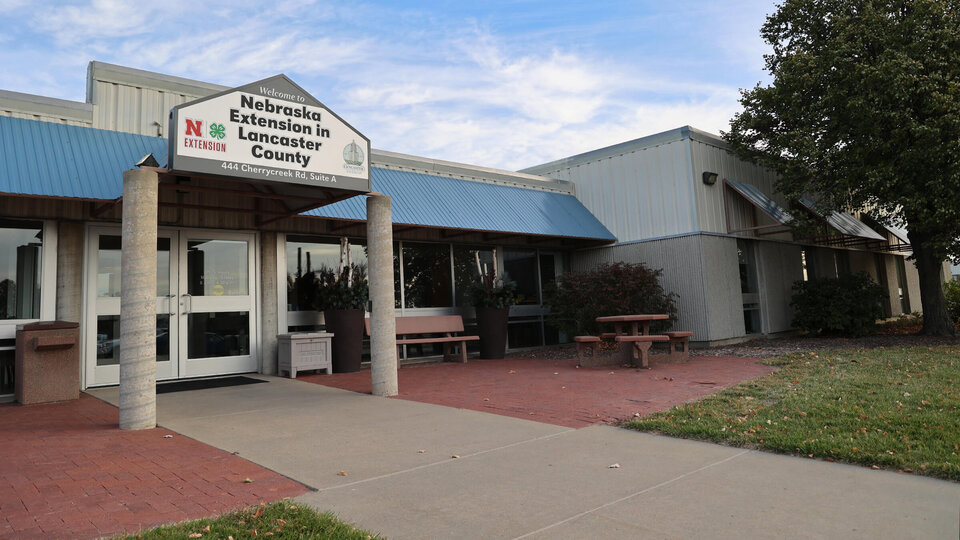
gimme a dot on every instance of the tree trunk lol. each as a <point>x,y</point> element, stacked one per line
<point>936,320</point>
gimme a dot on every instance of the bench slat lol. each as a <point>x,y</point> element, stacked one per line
<point>451,339</point>
<point>439,324</point>
<point>654,337</point>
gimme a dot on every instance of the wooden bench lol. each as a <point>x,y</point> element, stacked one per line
<point>641,345</point>
<point>447,325</point>
<point>679,345</point>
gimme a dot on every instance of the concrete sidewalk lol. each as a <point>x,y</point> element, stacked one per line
<point>522,479</point>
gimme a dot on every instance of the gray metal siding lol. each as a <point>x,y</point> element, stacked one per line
<point>913,286</point>
<point>724,301</point>
<point>134,109</point>
<point>644,193</point>
<point>779,266</point>
<point>710,212</point>
<point>681,262</point>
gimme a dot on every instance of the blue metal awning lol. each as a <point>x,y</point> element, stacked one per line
<point>56,160</point>
<point>438,201</point>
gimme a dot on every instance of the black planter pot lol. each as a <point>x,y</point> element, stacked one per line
<point>347,343</point>
<point>492,329</point>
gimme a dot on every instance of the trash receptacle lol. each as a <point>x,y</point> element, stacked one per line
<point>303,351</point>
<point>48,362</point>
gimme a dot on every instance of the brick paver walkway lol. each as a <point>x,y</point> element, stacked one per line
<point>67,471</point>
<point>556,391</point>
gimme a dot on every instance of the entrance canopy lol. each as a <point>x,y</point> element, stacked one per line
<point>58,161</point>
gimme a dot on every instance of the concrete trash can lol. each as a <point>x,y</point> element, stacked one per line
<point>48,362</point>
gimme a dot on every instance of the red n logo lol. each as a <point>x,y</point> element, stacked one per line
<point>194,127</point>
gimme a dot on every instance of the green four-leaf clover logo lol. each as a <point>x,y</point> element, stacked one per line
<point>217,131</point>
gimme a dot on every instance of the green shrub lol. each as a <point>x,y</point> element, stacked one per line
<point>951,292</point>
<point>848,306</point>
<point>576,299</point>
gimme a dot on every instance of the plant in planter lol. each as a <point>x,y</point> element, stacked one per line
<point>492,295</point>
<point>342,295</point>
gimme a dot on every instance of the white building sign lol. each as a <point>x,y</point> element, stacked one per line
<point>271,130</point>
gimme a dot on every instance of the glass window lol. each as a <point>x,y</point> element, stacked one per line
<point>468,264</point>
<point>217,268</point>
<point>548,269</point>
<point>521,267</point>
<point>218,334</point>
<point>108,339</point>
<point>426,275</point>
<point>842,259</point>
<point>902,292</point>
<point>306,255</point>
<point>524,332</point>
<point>20,244</point>
<point>108,266</point>
<point>8,360</point>
<point>748,269</point>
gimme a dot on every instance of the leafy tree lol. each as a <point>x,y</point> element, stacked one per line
<point>864,111</point>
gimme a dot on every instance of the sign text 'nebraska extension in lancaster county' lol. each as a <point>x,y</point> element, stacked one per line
<point>296,123</point>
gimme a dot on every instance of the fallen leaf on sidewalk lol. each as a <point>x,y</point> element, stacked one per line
<point>342,473</point>
<point>614,466</point>
<point>247,481</point>
<point>421,451</point>
<point>455,456</point>
<point>168,436</point>
<point>512,371</point>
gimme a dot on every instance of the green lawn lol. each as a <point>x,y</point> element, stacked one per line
<point>283,519</point>
<point>893,408</point>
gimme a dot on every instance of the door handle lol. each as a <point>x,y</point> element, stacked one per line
<point>186,302</point>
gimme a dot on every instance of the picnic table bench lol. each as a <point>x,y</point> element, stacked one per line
<point>635,330</point>
<point>447,325</point>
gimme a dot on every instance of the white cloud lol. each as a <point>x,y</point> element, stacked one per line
<point>414,81</point>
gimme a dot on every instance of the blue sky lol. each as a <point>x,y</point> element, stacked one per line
<point>492,83</point>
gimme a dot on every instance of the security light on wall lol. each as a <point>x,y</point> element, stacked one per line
<point>710,178</point>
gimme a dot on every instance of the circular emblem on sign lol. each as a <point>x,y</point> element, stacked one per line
<point>218,290</point>
<point>217,131</point>
<point>353,154</point>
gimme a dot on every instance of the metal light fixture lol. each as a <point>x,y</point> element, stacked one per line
<point>710,178</point>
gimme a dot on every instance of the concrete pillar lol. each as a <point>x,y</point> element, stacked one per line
<point>69,271</point>
<point>268,303</point>
<point>383,325</point>
<point>138,301</point>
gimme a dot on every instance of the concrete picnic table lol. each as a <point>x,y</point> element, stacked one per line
<point>635,321</point>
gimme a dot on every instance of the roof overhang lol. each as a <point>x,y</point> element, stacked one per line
<point>762,202</point>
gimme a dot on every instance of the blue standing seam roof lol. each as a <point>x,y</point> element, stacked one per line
<point>57,160</point>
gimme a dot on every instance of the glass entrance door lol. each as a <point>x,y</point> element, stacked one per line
<point>102,342</point>
<point>216,302</point>
<point>206,316</point>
